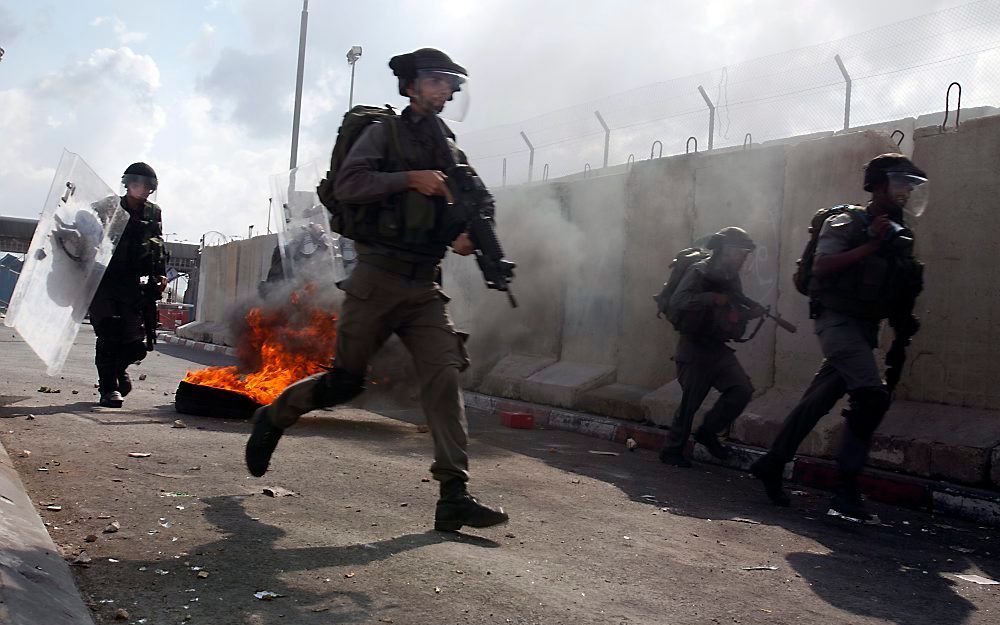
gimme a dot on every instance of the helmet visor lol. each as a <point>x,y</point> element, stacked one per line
<point>444,93</point>
<point>909,191</point>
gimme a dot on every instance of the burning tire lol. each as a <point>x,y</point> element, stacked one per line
<point>207,401</point>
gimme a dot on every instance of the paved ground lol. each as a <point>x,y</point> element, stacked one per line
<point>593,538</point>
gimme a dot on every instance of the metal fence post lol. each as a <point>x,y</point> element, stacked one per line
<point>711,117</point>
<point>607,136</point>
<point>531,156</point>
<point>847,94</point>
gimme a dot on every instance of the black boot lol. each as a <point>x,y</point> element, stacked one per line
<point>457,507</point>
<point>711,443</point>
<point>674,458</point>
<point>107,386</point>
<point>768,470</point>
<point>111,399</point>
<point>124,383</point>
<point>262,442</point>
<point>848,504</point>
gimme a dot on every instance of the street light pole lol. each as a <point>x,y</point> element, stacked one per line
<point>293,160</point>
<point>352,58</point>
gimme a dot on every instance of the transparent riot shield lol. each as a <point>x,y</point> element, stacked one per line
<point>76,234</point>
<point>307,245</point>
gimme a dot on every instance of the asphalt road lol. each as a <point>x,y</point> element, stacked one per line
<point>592,539</point>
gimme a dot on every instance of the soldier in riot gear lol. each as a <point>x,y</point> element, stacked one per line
<point>134,279</point>
<point>397,197</point>
<point>863,271</point>
<point>709,309</point>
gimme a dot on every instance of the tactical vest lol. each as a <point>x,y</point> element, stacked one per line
<point>141,250</point>
<point>873,287</point>
<point>410,220</point>
<point>722,323</point>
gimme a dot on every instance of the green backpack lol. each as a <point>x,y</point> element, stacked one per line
<point>678,266</point>
<point>803,270</point>
<point>342,220</point>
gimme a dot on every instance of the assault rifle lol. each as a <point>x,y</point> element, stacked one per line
<point>476,204</point>
<point>749,304</point>
<point>476,207</point>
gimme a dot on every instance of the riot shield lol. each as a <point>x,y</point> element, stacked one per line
<point>307,245</point>
<point>76,235</point>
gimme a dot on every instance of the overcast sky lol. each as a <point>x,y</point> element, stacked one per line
<point>203,91</point>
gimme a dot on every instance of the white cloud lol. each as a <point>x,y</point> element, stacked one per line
<point>125,36</point>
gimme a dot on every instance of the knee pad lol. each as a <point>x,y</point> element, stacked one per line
<point>337,387</point>
<point>866,408</point>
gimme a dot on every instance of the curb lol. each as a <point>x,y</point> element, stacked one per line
<point>36,586</point>
<point>980,506</point>
<point>173,339</point>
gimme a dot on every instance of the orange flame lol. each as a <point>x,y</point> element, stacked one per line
<point>286,351</point>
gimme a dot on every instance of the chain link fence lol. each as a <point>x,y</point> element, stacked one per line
<point>893,72</point>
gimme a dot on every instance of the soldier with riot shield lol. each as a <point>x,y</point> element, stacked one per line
<point>123,310</point>
<point>858,269</point>
<point>388,191</point>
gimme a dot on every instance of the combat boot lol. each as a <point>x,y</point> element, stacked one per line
<point>847,503</point>
<point>111,399</point>
<point>711,443</point>
<point>107,386</point>
<point>674,459</point>
<point>769,470</point>
<point>457,507</point>
<point>261,443</point>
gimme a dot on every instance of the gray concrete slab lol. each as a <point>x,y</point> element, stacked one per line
<point>36,586</point>
<point>507,377</point>
<point>622,401</point>
<point>562,383</point>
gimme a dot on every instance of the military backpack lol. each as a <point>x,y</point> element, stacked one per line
<point>804,265</point>
<point>355,122</point>
<point>678,267</point>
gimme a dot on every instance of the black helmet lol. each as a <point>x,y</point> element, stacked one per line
<point>140,172</point>
<point>877,169</point>
<point>732,236</point>
<point>406,66</point>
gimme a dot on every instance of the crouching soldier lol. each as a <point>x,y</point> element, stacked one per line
<point>708,309</point>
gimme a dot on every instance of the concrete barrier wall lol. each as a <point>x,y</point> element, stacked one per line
<point>658,222</point>
<point>592,251</point>
<point>954,356</point>
<point>228,274</point>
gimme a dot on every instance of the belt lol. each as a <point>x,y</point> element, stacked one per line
<point>413,271</point>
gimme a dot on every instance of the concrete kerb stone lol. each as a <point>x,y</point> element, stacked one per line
<point>880,485</point>
<point>36,586</point>
<point>173,339</point>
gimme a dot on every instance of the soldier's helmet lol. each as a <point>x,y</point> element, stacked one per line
<point>140,172</point>
<point>407,66</point>
<point>731,236</point>
<point>878,169</point>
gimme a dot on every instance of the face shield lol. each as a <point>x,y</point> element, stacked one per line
<point>443,92</point>
<point>909,192</point>
<point>729,260</point>
<point>139,187</point>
